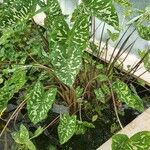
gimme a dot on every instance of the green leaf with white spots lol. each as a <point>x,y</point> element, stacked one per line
<point>40,102</point>
<point>142,22</point>
<point>104,10</point>
<point>125,3</point>
<point>22,136</point>
<point>100,96</point>
<point>67,46</point>
<point>15,11</point>
<point>66,69</point>
<point>82,126</point>
<point>81,9</point>
<point>14,14</point>
<point>125,95</point>
<point>113,35</point>
<point>79,91</point>
<point>139,141</point>
<point>57,27</point>
<point>66,128</point>
<point>66,58</point>
<point>11,86</point>
<point>144,31</point>
<point>118,141</point>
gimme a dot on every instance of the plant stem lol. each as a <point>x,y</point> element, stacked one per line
<point>115,108</point>
<point>12,116</point>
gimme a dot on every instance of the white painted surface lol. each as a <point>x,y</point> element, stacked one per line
<point>141,123</point>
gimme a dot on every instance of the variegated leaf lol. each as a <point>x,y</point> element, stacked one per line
<point>104,10</point>
<point>22,136</point>
<point>40,102</point>
<point>11,86</point>
<point>139,141</point>
<point>54,9</point>
<point>57,27</point>
<point>79,91</point>
<point>13,16</point>
<point>66,58</point>
<point>125,3</point>
<point>15,11</point>
<point>100,96</point>
<point>79,34</point>
<point>118,141</point>
<point>66,69</point>
<point>81,127</point>
<point>66,128</point>
<point>81,9</point>
<point>144,31</point>
<point>125,95</point>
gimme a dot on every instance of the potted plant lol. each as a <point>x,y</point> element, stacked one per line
<point>47,79</point>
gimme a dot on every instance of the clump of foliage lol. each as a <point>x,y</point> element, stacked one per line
<point>48,66</point>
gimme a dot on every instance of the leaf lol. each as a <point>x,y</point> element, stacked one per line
<point>94,118</point>
<point>124,94</point>
<point>102,77</point>
<point>67,46</point>
<point>58,29</point>
<point>66,128</point>
<point>15,13</point>
<point>139,141</point>
<point>81,127</point>
<point>30,145</point>
<point>105,89</point>
<point>11,86</point>
<point>146,60</point>
<point>113,36</point>
<point>144,31</point>
<point>125,3</point>
<point>88,124</point>
<point>40,102</point>
<point>104,10</point>
<point>118,141</point>
<point>66,59</point>
<point>80,9</point>
<point>79,92</point>
<point>22,136</point>
<point>100,96</point>
<point>38,131</point>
